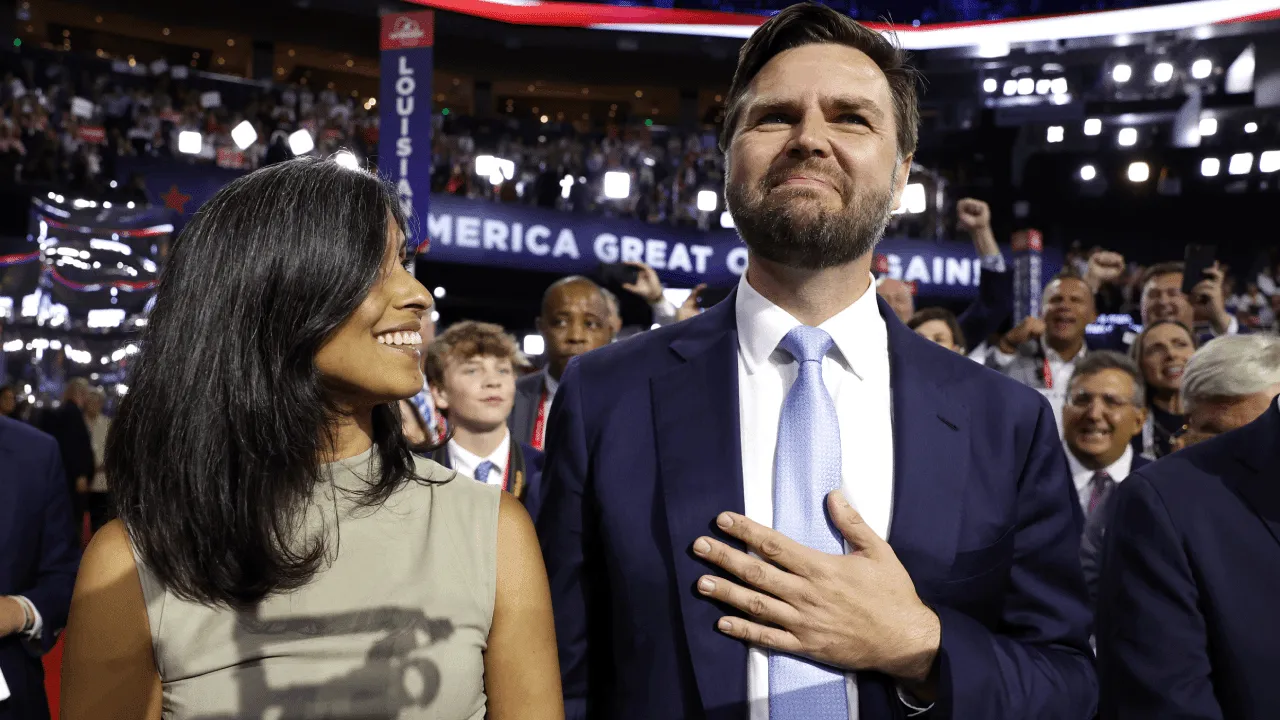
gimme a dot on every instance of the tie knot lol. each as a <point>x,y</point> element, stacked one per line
<point>1101,478</point>
<point>483,470</point>
<point>807,344</point>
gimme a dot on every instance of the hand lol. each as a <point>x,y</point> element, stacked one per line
<point>647,284</point>
<point>12,616</point>
<point>1207,300</point>
<point>857,612</point>
<point>1032,327</point>
<point>973,214</point>
<point>1104,267</point>
<point>690,307</point>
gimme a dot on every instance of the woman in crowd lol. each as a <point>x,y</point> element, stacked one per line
<point>279,551</point>
<point>940,326</point>
<point>1162,350</point>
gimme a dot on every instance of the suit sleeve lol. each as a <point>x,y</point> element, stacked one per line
<point>1152,638</point>
<point>993,306</point>
<point>58,553</point>
<point>570,548</point>
<point>1036,661</point>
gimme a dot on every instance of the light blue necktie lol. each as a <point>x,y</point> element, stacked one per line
<point>483,469</point>
<point>806,468</point>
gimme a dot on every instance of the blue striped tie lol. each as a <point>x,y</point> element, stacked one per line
<point>806,468</point>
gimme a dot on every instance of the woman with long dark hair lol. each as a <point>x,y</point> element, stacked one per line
<point>1162,351</point>
<point>279,551</point>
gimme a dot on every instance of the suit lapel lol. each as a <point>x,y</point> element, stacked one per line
<point>1259,485</point>
<point>700,474</point>
<point>931,449</point>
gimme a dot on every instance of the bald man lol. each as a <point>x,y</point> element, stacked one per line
<point>575,319</point>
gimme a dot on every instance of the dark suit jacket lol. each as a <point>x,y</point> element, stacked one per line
<point>1095,529</point>
<point>525,412</point>
<point>644,451</point>
<point>531,463</point>
<point>1189,600</point>
<point>993,306</point>
<point>38,558</point>
<point>66,424</point>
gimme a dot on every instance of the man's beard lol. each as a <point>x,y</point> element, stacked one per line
<point>781,230</point>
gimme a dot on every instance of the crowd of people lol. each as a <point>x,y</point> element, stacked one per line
<point>810,500</point>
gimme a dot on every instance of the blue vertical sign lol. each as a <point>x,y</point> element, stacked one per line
<point>1028,278</point>
<point>404,140</point>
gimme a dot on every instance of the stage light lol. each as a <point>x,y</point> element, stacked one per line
<point>1121,73</point>
<point>1127,137</point>
<point>1202,68</point>
<point>1210,167</point>
<point>1026,86</point>
<point>707,200</point>
<point>1208,126</point>
<point>1056,133</point>
<point>1250,128</point>
<point>913,200</point>
<point>1269,161</point>
<point>1162,72</point>
<point>435,316</point>
<point>1088,172</point>
<point>1043,85</point>
<point>301,142</point>
<point>346,159</point>
<point>726,220</point>
<point>990,85</point>
<point>244,135</point>
<point>1241,163</point>
<point>105,319</point>
<point>189,142</point>
<point>617,185</point>
<point>1058,86</point>
<point>1010,87</point>
<point>566,185</point>
<point>534,345</point>
<point>1093,126</point>
<point>1139,172</point>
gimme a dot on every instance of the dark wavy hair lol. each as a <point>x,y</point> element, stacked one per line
<point>216,450</point>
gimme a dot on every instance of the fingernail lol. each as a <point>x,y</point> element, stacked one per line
<point>706,585</point>
<point>702,547</point>
<point>725,625</point>
<point>724,520</point>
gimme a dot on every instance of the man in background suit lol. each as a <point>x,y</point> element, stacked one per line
<point>67,425</point>
<point>575,319</point>
<point>1104,411</point>
<point>1162,299</point>
<point>38,563</point>
<point>671,453</point>
<point>1187,621</point>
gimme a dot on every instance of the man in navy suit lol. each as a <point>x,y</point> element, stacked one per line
<point>671,453</point>
<point>38,563</point>
<point>1187,619</point>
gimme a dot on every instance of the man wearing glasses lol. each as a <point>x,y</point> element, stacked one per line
<point>1103,411</point>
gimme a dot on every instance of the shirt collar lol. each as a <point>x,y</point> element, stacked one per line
<point>550,384</point>
<point>858,331</point>
<point>465,458</point>
<point>1082,475</point>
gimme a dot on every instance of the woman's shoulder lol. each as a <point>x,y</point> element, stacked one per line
<point>456,489</point>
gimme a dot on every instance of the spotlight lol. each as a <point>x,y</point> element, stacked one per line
<point>1127,137</point>
<point>1088,172</point>
<point>244,135</point>
<point>346,159</point>
<point>1058,86</point>
<point>1250,128</point>
<point>301,142</point>
<point>1026,86</point>
<point>438,293</point>
<point>1202,68</point>
<point>1043,85</point>
<point>990,85</point>
<point>617,185</point>
<point>1162,72</point>
<point>1093,126</point>
<point>189,142</point>
<point>707,200</point>
<point>566,185</point>
<point>1056,133</point>
<point>1241,163</point>
<point>1208,126</point>
<point>913,200</point>
<point>1010,87</point>
<point>1139,172</point>
<point>1210,167</point>
<point>1121,73</point>
<point>726,219</point>
<point>1269,161</point>
<point>534,345</point>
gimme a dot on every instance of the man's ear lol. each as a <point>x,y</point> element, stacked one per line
<point>903,174</point>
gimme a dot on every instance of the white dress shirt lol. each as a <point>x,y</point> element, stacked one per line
<point>466,462</point>
<point>1082,475</point>
<point>856,373</point>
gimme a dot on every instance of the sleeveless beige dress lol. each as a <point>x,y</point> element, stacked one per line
<point>393,626</point>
